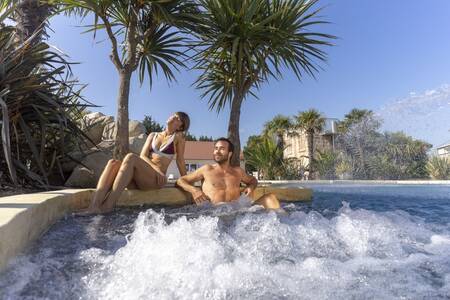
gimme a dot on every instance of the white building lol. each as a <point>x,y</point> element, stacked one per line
<point>444,150</point>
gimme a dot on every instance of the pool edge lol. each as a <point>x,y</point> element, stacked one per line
<point>24,218</point>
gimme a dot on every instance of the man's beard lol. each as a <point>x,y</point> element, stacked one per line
<point>220,159</point>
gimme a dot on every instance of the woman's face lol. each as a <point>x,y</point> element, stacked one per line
<point>174,122</point>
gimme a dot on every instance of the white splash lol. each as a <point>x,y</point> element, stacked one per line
<point>422,115</point>
<point>357,254</point>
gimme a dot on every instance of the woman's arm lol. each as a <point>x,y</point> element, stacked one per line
<point>180,143</point>
<point>148,143</point>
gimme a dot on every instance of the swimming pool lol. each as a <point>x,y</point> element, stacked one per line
<point>352,241</point>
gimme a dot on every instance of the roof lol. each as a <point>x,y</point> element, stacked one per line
<point>444,145</point>
<point>200,150</point>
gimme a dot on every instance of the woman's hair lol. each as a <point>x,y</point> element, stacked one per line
<point>184,118</point>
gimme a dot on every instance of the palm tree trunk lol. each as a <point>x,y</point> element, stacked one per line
<point>233,128</point>
<point>121,138</point>
<point>31,15</point>
<point>310,138</point>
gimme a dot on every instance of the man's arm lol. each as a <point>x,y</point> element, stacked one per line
<point>186,183</point>
<point>250,181</point>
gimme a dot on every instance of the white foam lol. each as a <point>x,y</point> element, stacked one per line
<point>357,254</point>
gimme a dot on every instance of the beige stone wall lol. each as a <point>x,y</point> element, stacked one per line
<point>297,145</point>
<point>24,218</point>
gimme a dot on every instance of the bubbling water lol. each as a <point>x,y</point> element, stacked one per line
<point>236,253</point>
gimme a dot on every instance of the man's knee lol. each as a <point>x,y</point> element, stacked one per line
<point>270,201</point>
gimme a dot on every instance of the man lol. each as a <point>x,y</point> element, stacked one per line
<point>221,181</point>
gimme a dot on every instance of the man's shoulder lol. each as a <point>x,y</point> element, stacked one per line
<point>238,170</point>
<point>206,167</point>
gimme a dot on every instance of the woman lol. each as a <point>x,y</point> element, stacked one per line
<point>144,171</point>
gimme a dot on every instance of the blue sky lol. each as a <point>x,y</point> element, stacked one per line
<point>385,51</point>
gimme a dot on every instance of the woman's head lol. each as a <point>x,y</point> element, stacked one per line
<point>180,121</point>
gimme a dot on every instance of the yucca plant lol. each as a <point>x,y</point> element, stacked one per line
<point>266,157</point>
<point>325,164</point>
<point>439,167</point>
<point>39,107</point>
<point>243,43</point>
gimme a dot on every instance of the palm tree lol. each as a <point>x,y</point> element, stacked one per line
<point>354,116</point>
<point>311,122</point>
<point>143,39</point>
<point>30,17</point>
<point>278,126</point>
<point>243,43</point>
<point>356,133</point>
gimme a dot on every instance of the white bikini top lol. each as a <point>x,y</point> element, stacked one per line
<point>166,150</point>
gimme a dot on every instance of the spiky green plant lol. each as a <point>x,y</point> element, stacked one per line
<point>244,43</point>
<point>439,167</point>
<point>325,164</point>
<point>39,107</point>
<point>266,157</point>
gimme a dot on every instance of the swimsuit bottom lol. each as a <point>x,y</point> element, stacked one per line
<point>160,180</point>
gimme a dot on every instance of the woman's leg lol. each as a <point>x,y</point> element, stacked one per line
<point>133,168</point>
<point>104,184</point>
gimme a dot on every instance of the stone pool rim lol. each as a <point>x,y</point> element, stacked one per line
<point>25,217</point>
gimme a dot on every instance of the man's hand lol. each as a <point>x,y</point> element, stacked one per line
<point>247,191</point>
<point>199,197</point>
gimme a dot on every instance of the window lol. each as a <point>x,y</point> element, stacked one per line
<point>192,167</point>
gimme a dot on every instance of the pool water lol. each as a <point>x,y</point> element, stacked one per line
<point>350,242</point>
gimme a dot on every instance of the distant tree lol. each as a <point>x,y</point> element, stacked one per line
<point>360,141</point>
<point>399,156</point>
<point>354,116</point>
<point>311,122</point>
<point>204,138</point>
<point>190,137</point>
<point>277,127</point>
<point>151,125</point>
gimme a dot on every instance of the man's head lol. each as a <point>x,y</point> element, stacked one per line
<point>223,149</point>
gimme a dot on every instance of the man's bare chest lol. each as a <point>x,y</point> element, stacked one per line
<point>222,181</point>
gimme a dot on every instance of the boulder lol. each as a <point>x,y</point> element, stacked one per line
<point>94,124</point>
<point>87,176</point>
<point>135,128</point>
<point>137,142</point>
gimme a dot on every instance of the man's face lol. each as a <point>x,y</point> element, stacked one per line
<point>221,152</point>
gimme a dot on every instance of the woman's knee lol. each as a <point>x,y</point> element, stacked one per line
<point>114,162</point>
<point>130,158</point>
